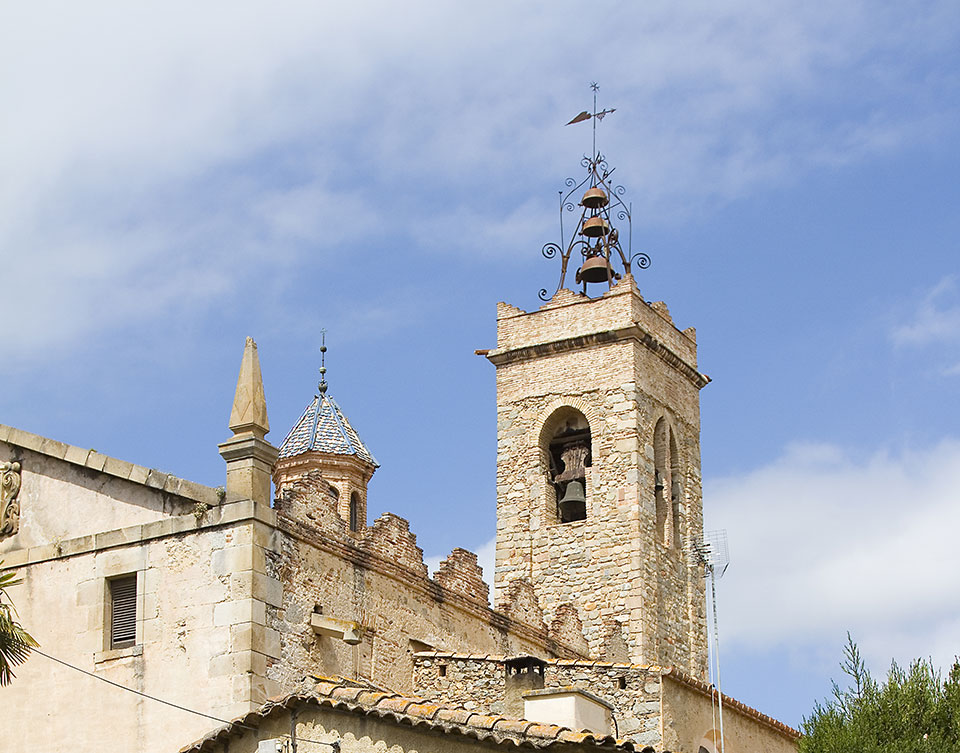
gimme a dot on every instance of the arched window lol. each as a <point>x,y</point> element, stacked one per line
<point>566,447</point>
<point>667,483</point>
<point>676,491</point>
<point>355,512</point>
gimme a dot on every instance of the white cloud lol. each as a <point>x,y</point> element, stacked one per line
<point>157,157</point>
<point>823,542</point>
<point>936,319</point>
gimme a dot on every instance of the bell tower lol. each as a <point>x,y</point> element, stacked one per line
<point>598,449</point>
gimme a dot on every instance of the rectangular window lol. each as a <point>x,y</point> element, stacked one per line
<point>123,611</point>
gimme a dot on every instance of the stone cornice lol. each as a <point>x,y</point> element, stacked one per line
<point>306,461</point>
<point>244,446</point>
<point>634,332</point>
<point>95,461</point>
<point>175,525</point>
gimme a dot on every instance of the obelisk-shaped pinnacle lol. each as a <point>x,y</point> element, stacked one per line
<point>249,414</point>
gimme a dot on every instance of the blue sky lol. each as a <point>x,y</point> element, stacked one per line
<point>175,177</point>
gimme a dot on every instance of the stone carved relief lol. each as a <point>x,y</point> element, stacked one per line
<point>9,504</point>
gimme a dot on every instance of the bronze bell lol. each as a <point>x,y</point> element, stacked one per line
<point>594,269</point>
<point>594,227</point>
<point>594,198</point>
<point>573,506</point>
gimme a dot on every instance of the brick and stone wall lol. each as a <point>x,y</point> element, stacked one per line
<point>623,366</point>
<point>474,683</point>
<point>378,580</point>
<point>481,682</point>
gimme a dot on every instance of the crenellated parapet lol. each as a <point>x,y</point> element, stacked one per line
<point>566,628</point>
<point>461,572</point>
<point>390,537</point>
<point>521,603</point>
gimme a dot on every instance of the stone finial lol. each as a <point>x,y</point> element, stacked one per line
<point>250,458</point>
<point>249,414</point>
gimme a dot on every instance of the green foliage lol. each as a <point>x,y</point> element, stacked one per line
<point>915,710</point>
<point>15,642</point>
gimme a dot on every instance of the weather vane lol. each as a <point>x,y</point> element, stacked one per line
<point>323,369</point>
<point>594,115</point>
<point>595,237</point>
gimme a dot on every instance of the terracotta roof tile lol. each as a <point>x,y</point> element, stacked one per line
<point>456,716</point>
<point>369,697</point>
<point>543,731</point>
<point>346,694</point>
<point>514,726</point>
<point>416,711</point>
<point>395,703</point>
<point>424,710</point>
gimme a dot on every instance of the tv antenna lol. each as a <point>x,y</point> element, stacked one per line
<point>713,554</point>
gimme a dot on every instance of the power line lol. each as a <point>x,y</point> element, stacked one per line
<point>335,745</point>
<point>140,693</point>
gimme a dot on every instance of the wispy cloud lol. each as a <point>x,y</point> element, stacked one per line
<point>223,149</point>
<point>823,542</point>
<point>936,319</point>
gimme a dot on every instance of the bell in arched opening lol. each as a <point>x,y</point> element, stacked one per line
<point>573,505</point>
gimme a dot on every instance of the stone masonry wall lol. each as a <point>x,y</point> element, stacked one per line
<point>474,683</point>
<point>377,579</point>
<point>480,682</point>
<point>623,365</point>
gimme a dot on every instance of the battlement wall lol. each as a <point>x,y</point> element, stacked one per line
<point>376,580</point>
<point>570,315</point>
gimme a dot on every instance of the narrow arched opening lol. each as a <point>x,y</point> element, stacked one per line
<point>566,446</point>
<point>676,492</point>
<point>667,484</point>
<point>354,517</point>
<point>661,477</point>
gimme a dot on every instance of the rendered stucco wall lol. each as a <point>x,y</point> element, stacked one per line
<point>689,722</point>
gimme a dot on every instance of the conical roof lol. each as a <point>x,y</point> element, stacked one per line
<point>324,428</point>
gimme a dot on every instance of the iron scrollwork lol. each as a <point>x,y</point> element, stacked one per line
<point>595,238</point>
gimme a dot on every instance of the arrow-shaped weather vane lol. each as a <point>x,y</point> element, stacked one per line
<point>595,116</point>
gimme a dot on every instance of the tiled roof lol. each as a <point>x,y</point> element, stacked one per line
<point>324,428</point>
<point>418,712</point>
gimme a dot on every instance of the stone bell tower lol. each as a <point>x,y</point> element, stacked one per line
<point>598,450</point>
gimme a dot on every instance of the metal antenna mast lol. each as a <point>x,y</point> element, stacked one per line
<point>713,554</point>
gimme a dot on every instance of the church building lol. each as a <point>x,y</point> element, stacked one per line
<point>274,608</point>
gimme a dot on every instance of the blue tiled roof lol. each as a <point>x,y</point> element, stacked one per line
<point>324,428</point>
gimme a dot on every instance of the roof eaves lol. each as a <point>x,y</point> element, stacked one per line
<point>417,712</point>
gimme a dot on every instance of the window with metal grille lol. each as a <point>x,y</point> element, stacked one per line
<point>123,611</point>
